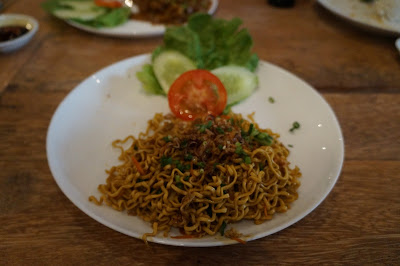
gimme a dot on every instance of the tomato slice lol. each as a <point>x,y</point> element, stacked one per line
<point>108,3</point>
<point>197,93</point>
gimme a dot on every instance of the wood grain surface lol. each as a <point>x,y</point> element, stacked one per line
<point>356,71</point>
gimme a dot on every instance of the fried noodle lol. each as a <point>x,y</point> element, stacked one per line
<point>199,176</point>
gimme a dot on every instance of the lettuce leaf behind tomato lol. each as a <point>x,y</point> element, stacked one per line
<point>211,43</point>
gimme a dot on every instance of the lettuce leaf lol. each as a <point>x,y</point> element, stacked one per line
<point>212,43</point>
<point>209,42</point>
<point>149,80</point>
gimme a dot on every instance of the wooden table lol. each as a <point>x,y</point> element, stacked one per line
<point>357,72</point>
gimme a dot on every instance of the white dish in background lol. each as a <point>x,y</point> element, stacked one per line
<point>133,27</point>
<point>362,14</point>
<point>18,20</point>
<point>110,105</point>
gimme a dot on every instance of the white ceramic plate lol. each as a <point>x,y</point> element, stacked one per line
<point>362,14</point>
<point>110,104</point>
<point>133,27</point>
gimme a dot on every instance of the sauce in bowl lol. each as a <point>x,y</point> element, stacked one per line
<point>11,32</point>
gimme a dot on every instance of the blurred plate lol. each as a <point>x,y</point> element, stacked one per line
<point>133,27</point>
<point>110,105</point>
<point>362,14</point>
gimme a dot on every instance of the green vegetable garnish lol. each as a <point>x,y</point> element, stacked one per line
<point>188,157</point>
<point>271,100</point>
<point>86,12</point>
<point>149,80</point>
<point>203,127</point>
<point>220,130</point>
<point>201,164</point>
<point>222,229</point>
<point>209,42</point>
<point>295,125</point>
<point>167,139</point>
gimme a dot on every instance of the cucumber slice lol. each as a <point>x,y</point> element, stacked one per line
<point>169,65</point>
<point>239,82</point>
<point>79,5</point>
<point>85,10</point>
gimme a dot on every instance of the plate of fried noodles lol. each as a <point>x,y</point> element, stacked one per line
<point>122,158</point>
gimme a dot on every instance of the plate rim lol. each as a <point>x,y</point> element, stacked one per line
<point>366,26</point>
<point>182,242</point>
<point>108,32</point>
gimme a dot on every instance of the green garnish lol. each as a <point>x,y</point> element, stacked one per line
<point>239,149</point>
<point>167,138</point>
<point>79,11</point>
<point>220,130</point>
<point>184,143</point>
<point>222,229</point>
<point>166,161</point>
<point>169,161</point>
<point>188,157</point>
<point>271,100</point>
<point>254,135</point>
<point>290,145</point>
<point>212,42</point>
<point>203,127</point>
<point>295,125</point>
<point>201,164</point>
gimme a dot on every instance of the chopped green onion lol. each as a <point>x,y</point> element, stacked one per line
<point>296,125</point>
<point>247,160</point>
<point>222,229</point>
<point>271,100</point>
<point>239,149</point>
<point>166,161</point>
<point>177,179</point>
<point>201,164</point>
<point>167,138</point>
<point>188,157</point>
<point>290,145</point>
<point>184,143</point>
<point>220,130</point>
<point>203,127</point>
<point>220,147</point>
